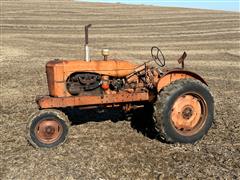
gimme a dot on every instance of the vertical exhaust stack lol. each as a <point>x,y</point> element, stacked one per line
<point>87,52</point>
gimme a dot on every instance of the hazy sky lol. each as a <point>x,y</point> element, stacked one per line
<point>228,5</point>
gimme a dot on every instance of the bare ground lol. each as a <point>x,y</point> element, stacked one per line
<point>33,32</point>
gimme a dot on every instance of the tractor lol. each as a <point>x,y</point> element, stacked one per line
<point>183,106</point>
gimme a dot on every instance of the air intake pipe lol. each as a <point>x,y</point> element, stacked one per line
<point>87,52</point>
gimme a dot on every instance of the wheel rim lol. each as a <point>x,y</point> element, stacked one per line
<point>189,113</point>
<point>48,131</point>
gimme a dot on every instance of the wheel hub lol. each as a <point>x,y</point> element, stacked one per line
<point>49,130</point>
<point>186,113</point>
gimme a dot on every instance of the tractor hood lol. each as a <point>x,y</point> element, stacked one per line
<point>59,70</point>
<point>116,68</point>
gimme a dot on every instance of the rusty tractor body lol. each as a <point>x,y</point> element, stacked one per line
<point>182,105</point>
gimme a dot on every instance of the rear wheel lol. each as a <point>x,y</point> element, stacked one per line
<point>47,128</point>
<point>184,111</point>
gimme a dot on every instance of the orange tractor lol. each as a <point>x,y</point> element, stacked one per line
<point>183,106</point>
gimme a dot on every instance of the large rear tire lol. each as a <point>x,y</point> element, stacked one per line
<point>184,111</point>
<point>47,128</point>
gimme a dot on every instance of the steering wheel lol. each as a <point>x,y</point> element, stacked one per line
<point>155,52</point>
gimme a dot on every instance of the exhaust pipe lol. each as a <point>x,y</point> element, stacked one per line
<point>87,52</point>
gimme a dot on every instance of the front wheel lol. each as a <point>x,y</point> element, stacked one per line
<point>184,111</point>
<point>47,128</point>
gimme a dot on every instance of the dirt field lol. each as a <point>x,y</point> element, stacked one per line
<point>33,32</point>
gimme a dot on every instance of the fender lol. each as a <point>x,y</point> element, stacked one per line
<point>176,74</point>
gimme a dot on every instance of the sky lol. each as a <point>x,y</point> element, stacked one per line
<point>227,5</point>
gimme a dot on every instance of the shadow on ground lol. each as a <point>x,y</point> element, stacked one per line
<point>141,119</point>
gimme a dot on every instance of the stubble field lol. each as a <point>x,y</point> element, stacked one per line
<point>33,32</point>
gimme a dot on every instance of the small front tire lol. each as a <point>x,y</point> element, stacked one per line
<point>47,128</point>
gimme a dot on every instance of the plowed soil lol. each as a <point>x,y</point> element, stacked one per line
<point>33,32</point>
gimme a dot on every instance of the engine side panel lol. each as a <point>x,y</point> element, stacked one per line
<point>55,78</point>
